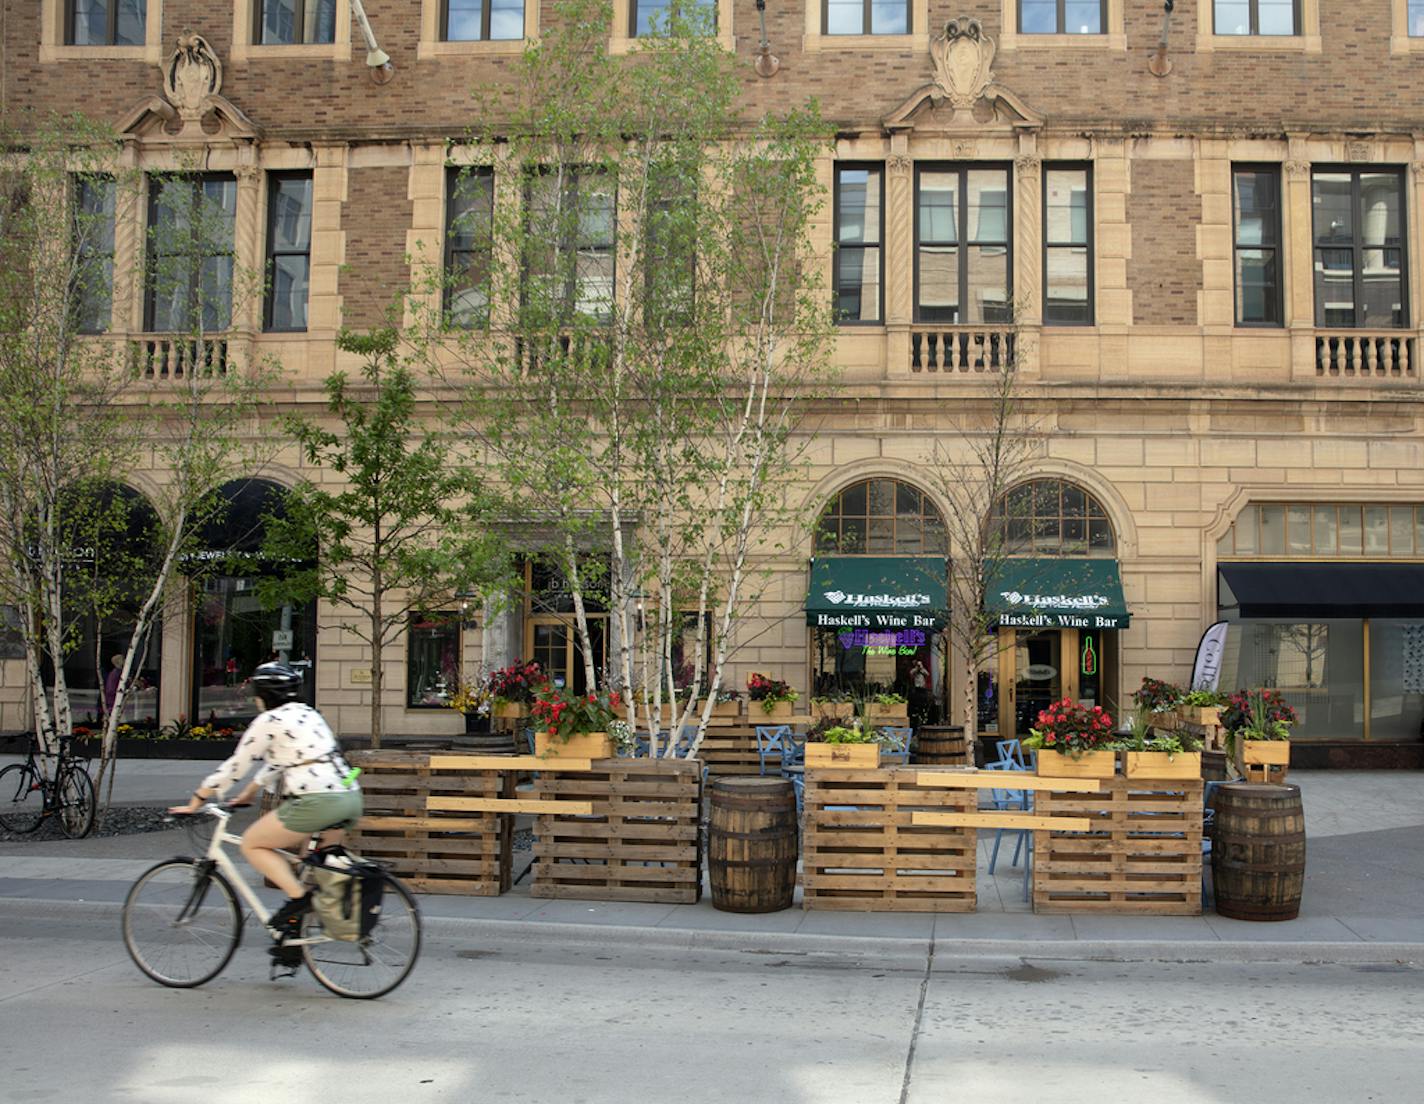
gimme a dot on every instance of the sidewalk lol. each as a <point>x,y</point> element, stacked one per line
<point>1363,901</point>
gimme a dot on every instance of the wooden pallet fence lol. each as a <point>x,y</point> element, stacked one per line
<point>864,852</point>
<point>435,851</point>
<point>1142,854</point>
<point>630,832</point>
<point>730,750</point>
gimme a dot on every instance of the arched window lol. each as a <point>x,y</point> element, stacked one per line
<point>881,517</point>
<point>1052,517</point>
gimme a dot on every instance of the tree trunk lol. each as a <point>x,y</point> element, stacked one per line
<point>377,677</point>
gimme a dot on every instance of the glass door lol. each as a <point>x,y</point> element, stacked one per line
<point>1031,668</point>
<point>554,645</point>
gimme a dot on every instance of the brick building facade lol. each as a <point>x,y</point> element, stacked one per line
<point>1216,280</point>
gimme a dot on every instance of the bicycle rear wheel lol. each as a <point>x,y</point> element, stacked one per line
<point>370,967</point>
<point>77,806</point>
<point>21,798</point>
<point>181,923</point>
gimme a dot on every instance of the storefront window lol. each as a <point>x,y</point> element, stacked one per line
<point>1318,666</point>
<point>432,659</point>
<point>235,634</point>
<point>1314,530</point>
<point>1396,680</point>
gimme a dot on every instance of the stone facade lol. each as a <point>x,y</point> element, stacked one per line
<point>1170,414</point>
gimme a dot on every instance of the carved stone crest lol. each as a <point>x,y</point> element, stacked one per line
<point>1358,151</point>
<point>192,76</point>
<point>962,57</point>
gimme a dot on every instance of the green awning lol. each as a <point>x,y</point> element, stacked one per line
<point>1057,593</point>
<point>878,592</point>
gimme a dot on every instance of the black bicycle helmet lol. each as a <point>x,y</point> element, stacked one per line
<point>276,683</point>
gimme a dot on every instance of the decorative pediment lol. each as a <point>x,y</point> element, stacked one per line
<point>193,110</point>
<point>964,94</point>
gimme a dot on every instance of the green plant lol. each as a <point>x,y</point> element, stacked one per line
<point>1202,699</point>
<point>624,738</point>
<point>848,734</point>
<point>769,691</point>
<point>564,714</point>
<point>889,699</point>
<point>1258,715</point>
<point>1156,696</point>
<point>834,697</point>
<point>1070,728</point>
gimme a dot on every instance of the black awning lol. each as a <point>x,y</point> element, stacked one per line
<point>1321,589</point>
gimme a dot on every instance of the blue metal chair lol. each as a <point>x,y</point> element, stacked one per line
<point>1010,749</point>
<point>1016,801</point>
<point>896,743</point>
<point>774,740</point>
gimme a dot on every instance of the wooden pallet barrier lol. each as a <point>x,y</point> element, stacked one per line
<point>1142,854</point>
<point>865,851</point>
<point>624,830</point>
<point>435,847</point>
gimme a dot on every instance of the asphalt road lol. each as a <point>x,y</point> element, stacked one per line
<point>584,1022</point>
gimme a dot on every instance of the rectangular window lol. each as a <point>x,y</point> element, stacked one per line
<point>93,253</point>
<point>292,22</point>
<point>647,17</point>
<point>670,250</point>
<point>481,20</point>
<point>1067,245</point>
<point>1256,210</point>
<point>1414,15</point>
<point>432,659</point>
<point>1359,232</point>
<point>866,17</point>
<point>860,224</point>
<point>1256,17</point>
<point>106,22</point>
<point>469,208</point>
<point>569,235</point>
<point>190,252</point>
<point>962,254</point>
<point>289,211</point>
<point>1082,17</point>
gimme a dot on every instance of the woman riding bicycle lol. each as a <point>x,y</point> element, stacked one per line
<point>302,762</point>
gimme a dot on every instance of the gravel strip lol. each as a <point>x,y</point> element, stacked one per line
<point>120,820</point>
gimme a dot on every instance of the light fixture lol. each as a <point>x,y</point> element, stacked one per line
<point>377,60</point>
<point>766,63</point>
<point>1158,64</point>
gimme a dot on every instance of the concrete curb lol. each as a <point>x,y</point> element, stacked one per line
<point>861,948</point>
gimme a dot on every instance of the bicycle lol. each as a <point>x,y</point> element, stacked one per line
<point>27,797</point>
<point>182,921</point>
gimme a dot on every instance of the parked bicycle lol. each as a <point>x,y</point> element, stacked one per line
<point>182,920</point>
<point>27,796</point>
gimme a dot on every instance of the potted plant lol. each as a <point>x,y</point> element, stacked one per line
<point>1160,699</point>
<point>1074,741</point>
<point>1200,707</point>
<point>774,698</point>
<point>512,689</point>
<point>837,705</point>
<point>471,700</point>
<point>727,706</point>
<point>842,747</point>
<point>1258,723</point>
<point>887,708</point>
<point>573,726</point>
<point>1165,755</point>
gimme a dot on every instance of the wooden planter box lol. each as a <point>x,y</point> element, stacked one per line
<point>1141,854</point>
<point>863,853</point>
<point>640,843</point>
<point>1165,721</point>
<point>1200,714</point>
<point>834,710</point>
<point>894,715</point>
<point>1158,764</point>
<point>1270,758</point>
<point>758,713</point>
<point>1091,764</point>
<point>581,745</point>
<point>509,711</point>
<point>842,756</point>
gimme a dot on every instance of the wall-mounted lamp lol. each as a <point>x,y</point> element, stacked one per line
<point>766,63</point>
<point>378,62</point>
<point>1158,64</point>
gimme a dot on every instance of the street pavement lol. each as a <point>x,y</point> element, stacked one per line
<point>579,1020</point>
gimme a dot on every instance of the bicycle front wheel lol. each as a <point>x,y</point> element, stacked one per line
<point>181,923</point>
<point>76,803</point>
<point>21,798</point>
<point>370,967</point>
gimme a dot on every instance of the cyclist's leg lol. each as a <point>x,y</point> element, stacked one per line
<point>259,847</point>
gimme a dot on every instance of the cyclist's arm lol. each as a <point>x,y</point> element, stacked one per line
<point>252,748</point>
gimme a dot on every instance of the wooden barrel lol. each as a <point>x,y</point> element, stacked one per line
<point>486,743</point>
<point>940,745</point>
<point>1214,766</point>
<point>1258,851</point>
<point>751,844</point>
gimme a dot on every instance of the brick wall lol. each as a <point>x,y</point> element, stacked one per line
<point>1163,272</point>
<point>375,216</point>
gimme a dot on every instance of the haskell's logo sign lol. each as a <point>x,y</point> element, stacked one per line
<point>1054,601</point>
<point>878,601</point>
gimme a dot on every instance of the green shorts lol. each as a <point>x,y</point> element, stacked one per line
<point>316,812</point>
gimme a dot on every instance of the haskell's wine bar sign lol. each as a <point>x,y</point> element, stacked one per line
<point>882,593</point>
<point>1057,594</point>
<point>903,642</point>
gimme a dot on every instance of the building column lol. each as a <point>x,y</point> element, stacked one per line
<point>897,253</point>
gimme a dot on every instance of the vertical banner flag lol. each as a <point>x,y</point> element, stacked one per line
<point>1207,670</point>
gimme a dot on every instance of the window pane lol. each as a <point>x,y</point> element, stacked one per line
<point>1376,531</point>
<point>1276,17</point>
<point>433,658</point>
<point>858,284</point>
<point>881,498</point>
<point>889,17</point>
<point>853,535</point>
<point>506,20</point>
<point>1233,17</point>
<point>1256,283</point>
<point>881,537</point>
<point>289,292</point>
<point>279,21</point>
<point>1273,530</point>
<point>651,14</point>
<point>1351,542</point>
<point>860,205</point>
<point>1325,535</point>
<point>908,501</point>
<point>988,205</point>
<point>1246,532</point>
<point>845,17</point>
<point>1419,529</point>
<point>1067,200</point>
<point>1401,531</point>
<point>291,214</point>
<point>463,23</point>
<point>1298,530</point>
<point>1416,18</point>
<point>853,500</point>
<point>939,283</point>
<point>1067,285</point>
<point>988,284</point>
<point>90,22</point>
<point>130,30</point>
<point>909,536</point>
<point>939,207</point>
<point>1255,207</point>
<point>320,25</point>
<point>1396,680</point>
<point>1038,17</point>
<point>1100,535</point>
<point>1082,18</point>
